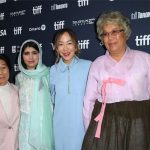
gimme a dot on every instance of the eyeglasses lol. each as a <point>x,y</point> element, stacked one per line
<point>112,33</point>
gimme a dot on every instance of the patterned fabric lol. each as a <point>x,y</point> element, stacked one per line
<point>36,108</point>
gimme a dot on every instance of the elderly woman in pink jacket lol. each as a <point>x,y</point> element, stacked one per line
<point>9,109</point>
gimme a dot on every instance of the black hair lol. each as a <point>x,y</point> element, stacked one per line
<point>6,60</point>
<point>73,36</point>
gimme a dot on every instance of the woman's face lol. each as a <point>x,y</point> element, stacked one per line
<point>66,48</point>
<point>114,38</point>
<point>4,72</point>
<point>31,57</point>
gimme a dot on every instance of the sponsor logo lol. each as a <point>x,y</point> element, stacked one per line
<point>82,3</point>
<point>2,16</point>
<point>3,32</point>
<point>84,44</point>
<point>41,28</point>
<point>140,15</point>
<point>2,49</point>
<point>59,6</point>
<point>2,1</point>
<point>142,40</point>
<point>15,49</point>
<point>83,22</point>
<point>17,30</point>
<point>16,67</point>
<point>37,10</point>
<point>59,25</point>
<point>17,13</point>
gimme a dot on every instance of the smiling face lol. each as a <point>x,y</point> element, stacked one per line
<point>66,48</point>
<point>30,57</point>
<point>114,39</point>
<point>4,72</point>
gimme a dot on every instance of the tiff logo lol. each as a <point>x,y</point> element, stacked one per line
<point>2,50</point>
<point>15,49</point>
<point>82,3</point>
<point>2,16</point>
<point>17,30</point>
<point>84,44</point>
<point>37,10</point>
<point>59,25</point>
<point>16,67</point>
<point>142,40</point>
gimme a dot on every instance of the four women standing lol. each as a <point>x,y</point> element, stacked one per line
<point>113,80</point>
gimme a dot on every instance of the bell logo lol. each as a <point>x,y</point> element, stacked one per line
<point>3,32</point>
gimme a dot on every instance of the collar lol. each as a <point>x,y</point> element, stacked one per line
<point>63,67</point>
<point>123,65</point>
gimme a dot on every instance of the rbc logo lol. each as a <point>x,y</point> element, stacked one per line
<point>3,32</point>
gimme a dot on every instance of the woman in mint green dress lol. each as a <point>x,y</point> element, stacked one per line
<point>35,131</point>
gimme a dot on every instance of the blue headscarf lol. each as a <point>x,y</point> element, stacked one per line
<point>41,133</point>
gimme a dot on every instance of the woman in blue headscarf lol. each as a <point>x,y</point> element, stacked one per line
<point>35,131</point>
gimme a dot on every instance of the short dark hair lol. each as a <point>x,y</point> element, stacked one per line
<point>6,59</point>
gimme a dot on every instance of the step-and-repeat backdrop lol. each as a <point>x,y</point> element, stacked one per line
<point>39,19</point>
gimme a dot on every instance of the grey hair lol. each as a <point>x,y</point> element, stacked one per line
<point>113,17</point>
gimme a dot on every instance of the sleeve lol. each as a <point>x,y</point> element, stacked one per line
<point>52,86</point>
<point>91,94</point>
<point>148,62</point>
<point>17,80</point>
